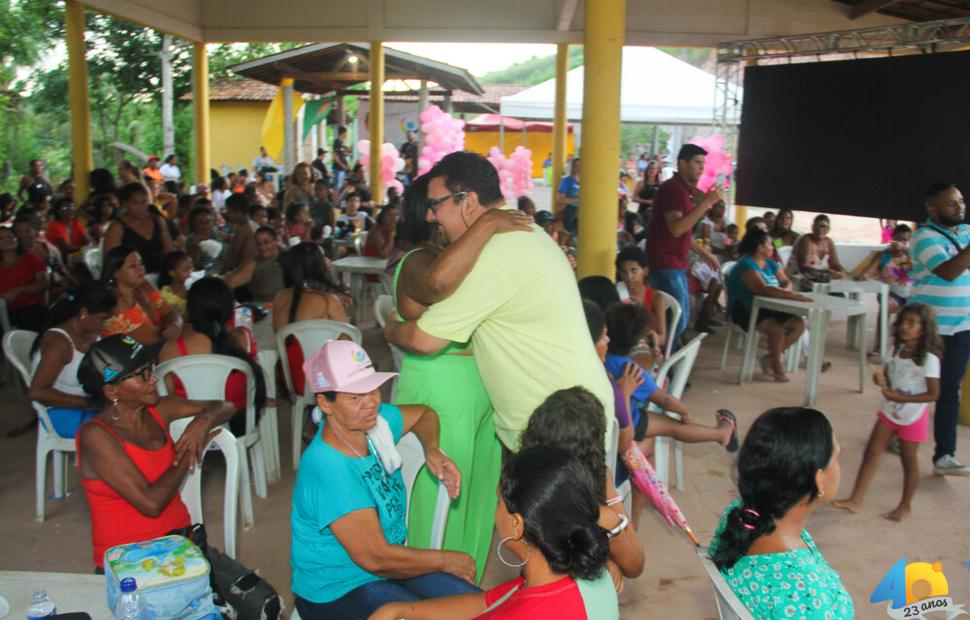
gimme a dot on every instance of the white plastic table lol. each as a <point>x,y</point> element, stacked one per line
<point>819,312</point>
<point>854,289</point>
<point>357,267</point>
<point>70,592</point>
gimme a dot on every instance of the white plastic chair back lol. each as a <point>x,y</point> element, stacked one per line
<point>677,367</point>
<point>311,335</point>
<point>152,278</point>
<point>412,455</point>
<point>383,307</point>
<point>674,311</point>
<point>729,607</point>
<point>204,377</point>
<point>191,489</point>
<point>784,253</point>
<point>93,258</point>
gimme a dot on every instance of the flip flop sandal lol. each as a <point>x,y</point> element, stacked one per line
<point>724,414</point>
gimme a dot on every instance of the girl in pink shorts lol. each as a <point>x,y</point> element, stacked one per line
<point>909,382</point>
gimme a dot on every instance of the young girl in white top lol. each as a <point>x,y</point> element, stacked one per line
<point>909,382</point>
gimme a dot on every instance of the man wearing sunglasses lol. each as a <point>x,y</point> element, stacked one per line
<point>519,305</point>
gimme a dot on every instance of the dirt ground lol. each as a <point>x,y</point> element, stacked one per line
<point>861,547</point>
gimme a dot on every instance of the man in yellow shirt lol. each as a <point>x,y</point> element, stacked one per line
<point>519,305</point>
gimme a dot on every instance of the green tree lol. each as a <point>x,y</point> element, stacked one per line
<point>28,29</point>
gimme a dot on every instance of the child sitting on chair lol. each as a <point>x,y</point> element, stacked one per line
<point>634,389</point>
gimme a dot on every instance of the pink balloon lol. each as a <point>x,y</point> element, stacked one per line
<point>363,147</point>
<point>364,160</point>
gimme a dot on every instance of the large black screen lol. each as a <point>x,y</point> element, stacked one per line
<point>857,137</point>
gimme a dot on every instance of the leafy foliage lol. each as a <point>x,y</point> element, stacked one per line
<point>534,70</point>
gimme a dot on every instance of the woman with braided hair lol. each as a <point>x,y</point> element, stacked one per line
<point>788,466</point>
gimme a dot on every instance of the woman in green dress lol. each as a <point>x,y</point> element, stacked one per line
<point>448,381</point>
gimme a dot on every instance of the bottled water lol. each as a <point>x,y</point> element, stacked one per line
<point>41,606</point>
<point>130,606</point>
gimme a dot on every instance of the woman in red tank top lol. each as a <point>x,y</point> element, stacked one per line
<point>130,467</point>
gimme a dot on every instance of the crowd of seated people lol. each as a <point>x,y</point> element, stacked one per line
<point>175,264</point>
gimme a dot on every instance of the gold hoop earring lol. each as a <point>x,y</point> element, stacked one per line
<point>498,552</point>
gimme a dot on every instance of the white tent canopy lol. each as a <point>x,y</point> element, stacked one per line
<point>655,88</point>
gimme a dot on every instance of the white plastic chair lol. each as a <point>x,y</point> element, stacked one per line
<point>204,378</point>
<point>191,489</point>
<point>677,367</point>
<point>383,306</point>
<point>674,311</point>
<point>792,354</point>
<point>93,258</point>
<point>16,348</point>
<point>152,278</point>
<point>729,607</point>
<point>412,454</point>
<point>360,240</point>
<point>311,335</point>
<point>269,428</point>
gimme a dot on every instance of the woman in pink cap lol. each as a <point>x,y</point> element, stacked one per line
<point>349,504</point>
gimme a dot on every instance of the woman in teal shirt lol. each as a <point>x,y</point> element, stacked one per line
<point>788,467</point>
<point>348,521</point>
<point>756,274</point>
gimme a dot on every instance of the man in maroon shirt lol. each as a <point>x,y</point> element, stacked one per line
<point>670,235</point>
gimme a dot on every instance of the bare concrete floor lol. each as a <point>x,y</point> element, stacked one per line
<point>673,585</point>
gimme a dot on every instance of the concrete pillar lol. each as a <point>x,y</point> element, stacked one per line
<point>449,104</point>
<point>82,158</point>
<point>560,121</point>
<point>200,107</point>
<point>289,128</point>
<point>376,119</point>
<point>603,39</point>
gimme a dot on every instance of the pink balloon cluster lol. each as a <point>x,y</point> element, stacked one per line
<point>391,163</point>
<point>718,162</point>
<point>441,134</point>
<point>514,171</point>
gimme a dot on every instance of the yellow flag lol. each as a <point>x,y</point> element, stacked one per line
<point>273,122</point>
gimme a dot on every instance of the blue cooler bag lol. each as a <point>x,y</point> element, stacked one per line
<point>172,576</point>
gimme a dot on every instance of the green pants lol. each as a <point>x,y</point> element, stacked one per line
<point>450,384</point>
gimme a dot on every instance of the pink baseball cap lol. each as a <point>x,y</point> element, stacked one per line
<point>343,366</point>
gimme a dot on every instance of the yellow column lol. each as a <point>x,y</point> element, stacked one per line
<point>200,102</point>
<point>77,87</point>
<point>740,217</point>
<point>376,119</point>
<point>605,24</point>
<point>560,121</point>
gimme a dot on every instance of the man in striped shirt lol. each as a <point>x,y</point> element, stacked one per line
<point>941,272</point>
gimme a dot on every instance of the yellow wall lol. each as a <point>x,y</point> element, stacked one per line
<point>236,129</point>
<point>540,143</point>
